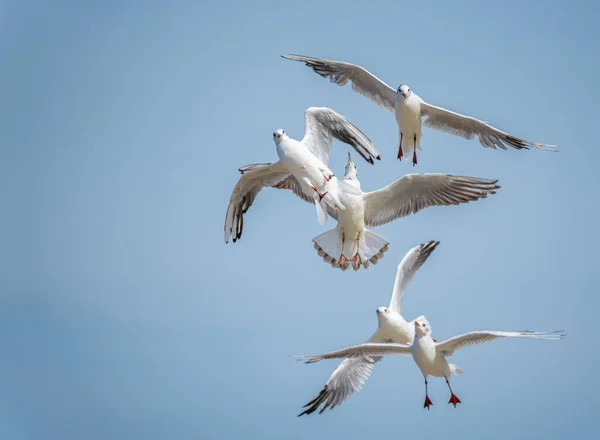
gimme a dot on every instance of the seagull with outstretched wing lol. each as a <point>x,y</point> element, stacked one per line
<point>429,355</point>
<point>351,374</point>
<point>302,168</point>
<point>350,243</point>
<point>409,109</point>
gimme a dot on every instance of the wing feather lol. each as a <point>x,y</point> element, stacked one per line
<point>407,269</point>
<point>467,127</point>
<point>323,124</point>
<point>254,178</point>
<point>449,346</point>
<point>363,81</point>
<point>414,192</point>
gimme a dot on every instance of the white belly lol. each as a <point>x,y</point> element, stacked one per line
<point>352,219</point>
<point>408,119</point>
<point>301,163</point>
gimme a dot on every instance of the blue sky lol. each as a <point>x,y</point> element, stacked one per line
<point>124,315</point>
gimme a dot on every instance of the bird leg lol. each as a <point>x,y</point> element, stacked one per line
<point>342,260</point>
<point>356,260</point>
<point>428,401</point>
<point>320,195</point>
<point>453,397</point>
<point>400,147</point>
<point>328,178</point>
<point>415,149</point>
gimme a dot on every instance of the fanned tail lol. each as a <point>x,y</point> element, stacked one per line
<point>342,252</point>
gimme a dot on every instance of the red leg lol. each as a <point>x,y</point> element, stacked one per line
<point>320,195</point>
<point>453,397</point>
<point>415,150</point>
<point>428,401</point>
<point>328,178</point>
<point>400,147</point>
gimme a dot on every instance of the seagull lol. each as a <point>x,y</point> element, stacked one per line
<point>350,243</point>
<point>429,355</point>
<point>409,109</point>
<point>351,374</point>
<point>302,167</point>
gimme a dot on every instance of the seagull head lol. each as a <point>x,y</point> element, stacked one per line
<point>382,311</point>
<point>351,169</point>
<point>404,90</point>
<point>422,327</point>
<point>279,135</point>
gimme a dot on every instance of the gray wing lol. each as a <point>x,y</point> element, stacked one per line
<point>348,378</point>
<point>467,127</point>
<point>407,269</point>
<point>366,349</point>
<point>363,81</point>
<point>323,124</point>
<point>414,192</point>
<point>254,178</point>
<point>449,346</point>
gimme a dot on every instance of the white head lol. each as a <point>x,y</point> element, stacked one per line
<point>422,327</point>
<point>404,90</point>
<point>279,135</point>
<point>384,316</point>
<point>351,170</point>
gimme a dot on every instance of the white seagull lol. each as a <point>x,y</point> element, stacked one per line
<point>351,374</point>
<point>302,167</point>
<point>429,355</point>
<point>351,243</point>
<point>409,109</point>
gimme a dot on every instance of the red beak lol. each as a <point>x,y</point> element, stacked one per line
<point>417,324</point>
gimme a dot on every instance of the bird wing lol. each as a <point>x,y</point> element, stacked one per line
<point>407,269</point>
<point>254,178</point>
<point>321,125</point>
<point>449,346</point>
<point>367,349</point>
<point>414,192</point>
<point>348,378</point>
<point>467,127</point>
<point>363,81</point>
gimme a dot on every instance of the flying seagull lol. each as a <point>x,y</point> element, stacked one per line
<point>350,243</point>
<point>429,355</point>
<point>409,109</point>
<point>302,168</point>
<point>351,374</point>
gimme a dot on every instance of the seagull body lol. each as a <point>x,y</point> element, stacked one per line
<point>302,168</point>
<point>315,178</point>
<point>351,374</point>
<point>429,355</point>
<point>409,109</point>
<point>350,243</point>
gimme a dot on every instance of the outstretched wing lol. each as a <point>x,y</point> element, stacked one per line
<point>363,81</point>
<point>254,178</point>
<point>348,378</point>
<point>449,346</point>
<point>323,124</point>
<point>367,349</point>
<point>467,127</point>
<point>414,192</point>
<point>407,269</point>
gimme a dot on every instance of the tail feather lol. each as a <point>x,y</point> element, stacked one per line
<point>321,214</point>
<point>342,252</point>
<point>455,370</point>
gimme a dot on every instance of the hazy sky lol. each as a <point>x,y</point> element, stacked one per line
<point>123,314</point>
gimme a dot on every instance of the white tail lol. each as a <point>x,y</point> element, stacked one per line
<point>454,370</point>
<point>341,252</point>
